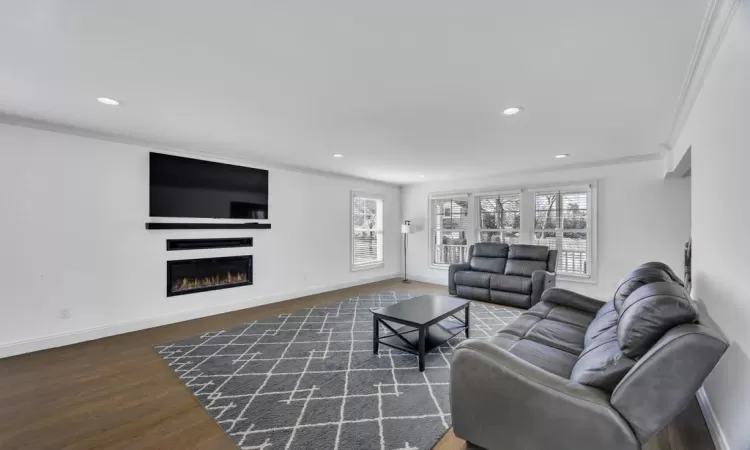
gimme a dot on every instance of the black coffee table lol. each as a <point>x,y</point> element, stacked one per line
<point>424,324</point>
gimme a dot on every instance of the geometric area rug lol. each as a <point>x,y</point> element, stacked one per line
<point>309,380</point>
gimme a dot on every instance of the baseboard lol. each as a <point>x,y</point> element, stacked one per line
<point>717,435</point>
<point>443,281</point>
<point>90,334</point>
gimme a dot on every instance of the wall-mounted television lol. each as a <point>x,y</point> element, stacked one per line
<point>186,187</point>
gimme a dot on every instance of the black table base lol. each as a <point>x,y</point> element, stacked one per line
<point>420,339</point>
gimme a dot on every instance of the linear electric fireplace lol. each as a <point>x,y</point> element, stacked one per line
<point>186,276</point>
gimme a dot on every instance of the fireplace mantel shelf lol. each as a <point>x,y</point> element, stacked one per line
<point>207,226</point>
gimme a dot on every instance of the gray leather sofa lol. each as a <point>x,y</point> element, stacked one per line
<point>576,373</point>
<point>514,275</point>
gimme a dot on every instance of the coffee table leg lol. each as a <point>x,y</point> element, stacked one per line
<point>422,332</point>
<point>467,321</point>
<point>375,334</point>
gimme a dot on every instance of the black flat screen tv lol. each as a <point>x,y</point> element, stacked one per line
<point>186,187</point>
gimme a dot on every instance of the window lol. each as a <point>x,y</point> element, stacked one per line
<point>367,231</point>
<point>499,218</point>
<point>561,221</point>
<point>449,225</point>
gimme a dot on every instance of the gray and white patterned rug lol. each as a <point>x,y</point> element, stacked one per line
<point>309,379</point>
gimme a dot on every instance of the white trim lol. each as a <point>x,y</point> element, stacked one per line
<point>377,264</point>
<point>715,23</point>
<point>440,196</point>
<point>717,434</point>
<point>89,334</point>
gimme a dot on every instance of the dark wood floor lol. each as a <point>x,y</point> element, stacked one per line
<point>117,393</point>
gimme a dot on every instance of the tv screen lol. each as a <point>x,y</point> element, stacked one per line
<point>186,187</point>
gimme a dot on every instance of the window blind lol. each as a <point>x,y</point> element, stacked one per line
<point>499,218</point>
<point>367,231</point>
<point>561,222</point>
<point>449,224</point>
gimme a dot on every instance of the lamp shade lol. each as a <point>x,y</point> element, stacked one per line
<point>405,228</point>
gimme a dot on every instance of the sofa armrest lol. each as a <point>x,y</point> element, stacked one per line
<point>541,280</point>
<point>501,401</point>
<point>452,269</point>
<point>564,297</point>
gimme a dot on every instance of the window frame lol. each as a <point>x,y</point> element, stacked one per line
<point>478,211</point>
<point>381,220</point>
<point>432,229</point>
<point>526,235</point>
<point>590,229</point>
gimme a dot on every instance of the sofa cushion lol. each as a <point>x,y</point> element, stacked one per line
<point>602,365</point>
<point>474,293</point>
<point>551,311</point>
<point>486,264</point>
<point>634,280</point>
<point>530,252</point>
<point>510,283</point>
<point>562,336</point>
<point>474,279</point>
<point>600,324</point>
<point>510,298</point>
<point>607,307</point>
<point>490,250</point>
<point>523,267</point>
<point>547,358</point>
<point>649,312</point>
<point>520,326</point>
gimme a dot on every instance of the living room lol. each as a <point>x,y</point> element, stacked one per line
<point>388,226</point>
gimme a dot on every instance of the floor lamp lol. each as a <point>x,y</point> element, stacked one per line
<point>405,228</point>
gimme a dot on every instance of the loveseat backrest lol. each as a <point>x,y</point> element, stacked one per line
<point>488,257</point>
<point>515,259</point>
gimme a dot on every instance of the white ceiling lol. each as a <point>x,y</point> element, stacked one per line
<point>402,88</point>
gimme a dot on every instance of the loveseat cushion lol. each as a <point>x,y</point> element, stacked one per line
<point>489,257</point>
<point>490,250</point>
<point>548,358</point>
<point>559,335</point>
<point>551,311</point>
<point>601,324</point>
<point>529,252</point>
<point>523,267</point>
<point>602,365</point>
<point>510,283</point>
<point>649,312</point>
<point>634,280</point>
<point>510,299</point>
<point>473,279</point>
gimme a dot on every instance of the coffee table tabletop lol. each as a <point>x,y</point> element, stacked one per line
<point>422,310</point>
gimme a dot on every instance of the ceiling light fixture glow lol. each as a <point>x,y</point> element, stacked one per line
<point>338,155</point>
<point>512,111</point>
<point>562,155</point>
<point>421,176</point>
<point>108,101</point>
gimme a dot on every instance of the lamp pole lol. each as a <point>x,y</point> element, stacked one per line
<point>405,228</point>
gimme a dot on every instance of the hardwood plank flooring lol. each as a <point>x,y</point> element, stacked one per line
<point>117,393</point>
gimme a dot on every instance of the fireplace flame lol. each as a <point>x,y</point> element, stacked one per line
<point>188,283</point>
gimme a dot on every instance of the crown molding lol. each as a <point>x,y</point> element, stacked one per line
<point>182,150</point>
<point>718,16</point>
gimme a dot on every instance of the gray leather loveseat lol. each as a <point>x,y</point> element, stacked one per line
<point>514,275</point>
<point>576,373</point>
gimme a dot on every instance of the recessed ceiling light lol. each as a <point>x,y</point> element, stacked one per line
<point>512,111</point>
<point>562,155</point>
<point>421,176</point>
<point>338,155</point>
<point>108,101</point>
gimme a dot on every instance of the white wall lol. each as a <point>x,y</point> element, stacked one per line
<point>72,235</point>
<point>641,217</point>
<point>718,129</point>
